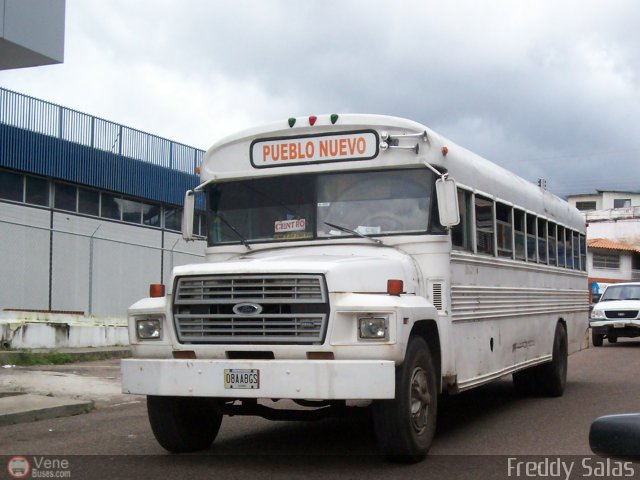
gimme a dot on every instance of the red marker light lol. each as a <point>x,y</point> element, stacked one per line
<point>156,290</point>
<point>395,287</point>
<point>312,120</point>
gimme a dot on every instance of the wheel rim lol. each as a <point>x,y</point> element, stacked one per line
<point>420,399</point>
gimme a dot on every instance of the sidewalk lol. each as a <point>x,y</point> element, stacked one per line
<point>36,392</point>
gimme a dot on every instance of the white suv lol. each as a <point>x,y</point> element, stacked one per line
<point>617,314</point>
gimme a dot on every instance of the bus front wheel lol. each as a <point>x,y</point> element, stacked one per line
<point>184,424</point>
<point>405,426</point>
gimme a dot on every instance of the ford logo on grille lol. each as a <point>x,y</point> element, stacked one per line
<point>247,309</point>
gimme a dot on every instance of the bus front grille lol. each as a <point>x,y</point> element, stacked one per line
<point>251,309</point>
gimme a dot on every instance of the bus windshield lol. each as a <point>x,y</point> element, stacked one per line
<point>275,209</point>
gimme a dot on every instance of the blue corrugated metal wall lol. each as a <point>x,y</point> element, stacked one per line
<point>46,139</point>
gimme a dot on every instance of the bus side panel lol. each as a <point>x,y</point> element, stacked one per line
<point>504,314</point>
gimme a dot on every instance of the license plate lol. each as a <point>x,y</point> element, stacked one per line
<point>242,378</point>
<point>618,325</point>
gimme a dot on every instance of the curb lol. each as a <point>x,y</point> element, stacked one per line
<point>30,408</point>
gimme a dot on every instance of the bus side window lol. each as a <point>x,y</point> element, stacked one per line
<point>504,225</point>
<point>462,233</point>
<point>484,225</point>
<point>583,254</point>
<point>561,249</point>
<point>531,237</point>
<point>553,259</point>
<point>576,251</point>
<point>542,240</point>
<point>518,222</point>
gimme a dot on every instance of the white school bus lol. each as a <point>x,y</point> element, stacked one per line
<point>358,261</point>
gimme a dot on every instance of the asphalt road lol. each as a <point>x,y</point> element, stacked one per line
<point>477,433</point>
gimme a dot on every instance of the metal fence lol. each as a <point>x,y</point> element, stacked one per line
<point>39,116</point>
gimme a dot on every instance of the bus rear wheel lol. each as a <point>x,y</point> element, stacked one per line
<point>184,424</point>
<point>553,375</point>
<point>405,427</point>
<point>549,379</point>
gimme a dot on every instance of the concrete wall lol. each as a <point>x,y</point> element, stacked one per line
<point>605,200</point>
<point>624,273</point>
<point>24,256</point>
<point>573,199</point>
<point>622,230</point>
<point>609,197</point>
<point>96,267</point>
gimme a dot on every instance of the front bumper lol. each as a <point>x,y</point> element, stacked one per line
<point>616,328</point>
<point>290,379</point>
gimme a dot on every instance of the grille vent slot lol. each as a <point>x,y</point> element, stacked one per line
<point>436,296</point>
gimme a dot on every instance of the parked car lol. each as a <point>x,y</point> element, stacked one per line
<point>617,314</point>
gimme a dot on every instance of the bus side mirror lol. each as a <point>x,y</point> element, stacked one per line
<point>447,194</point>
<point>187,216</point>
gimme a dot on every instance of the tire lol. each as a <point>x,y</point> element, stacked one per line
<point>612,339</point>
<point>553,375</point>
<point>184,424</point>
<point>549,379</point>
<point>596,339</point>
<point>405,427</point>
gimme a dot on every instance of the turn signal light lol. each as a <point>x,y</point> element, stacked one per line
<point>395,287</point>
<point>156,290</point>
<point>184,354</point>
<point>320,356</point>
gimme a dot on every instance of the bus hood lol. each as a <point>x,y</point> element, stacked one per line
<point>347,268</point>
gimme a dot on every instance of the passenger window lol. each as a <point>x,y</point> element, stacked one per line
<point>504,225</point>
<point>583,254</point>
<point>531,237</point>
<point>484,225</point>
<point>561,245</point>
<point>542,240</point>
<point>518,222</point>
<point>462,234</point>
<point>576,251</point>
<point>553,259</point>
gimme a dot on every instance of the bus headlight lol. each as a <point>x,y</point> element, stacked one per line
<point>149,328</point>
<point>373,328</point>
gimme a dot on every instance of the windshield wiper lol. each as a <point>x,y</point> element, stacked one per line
<point>354,232</point>
<point>235,230</point>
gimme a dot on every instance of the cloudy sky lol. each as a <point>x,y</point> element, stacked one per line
<point>547,88</point>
